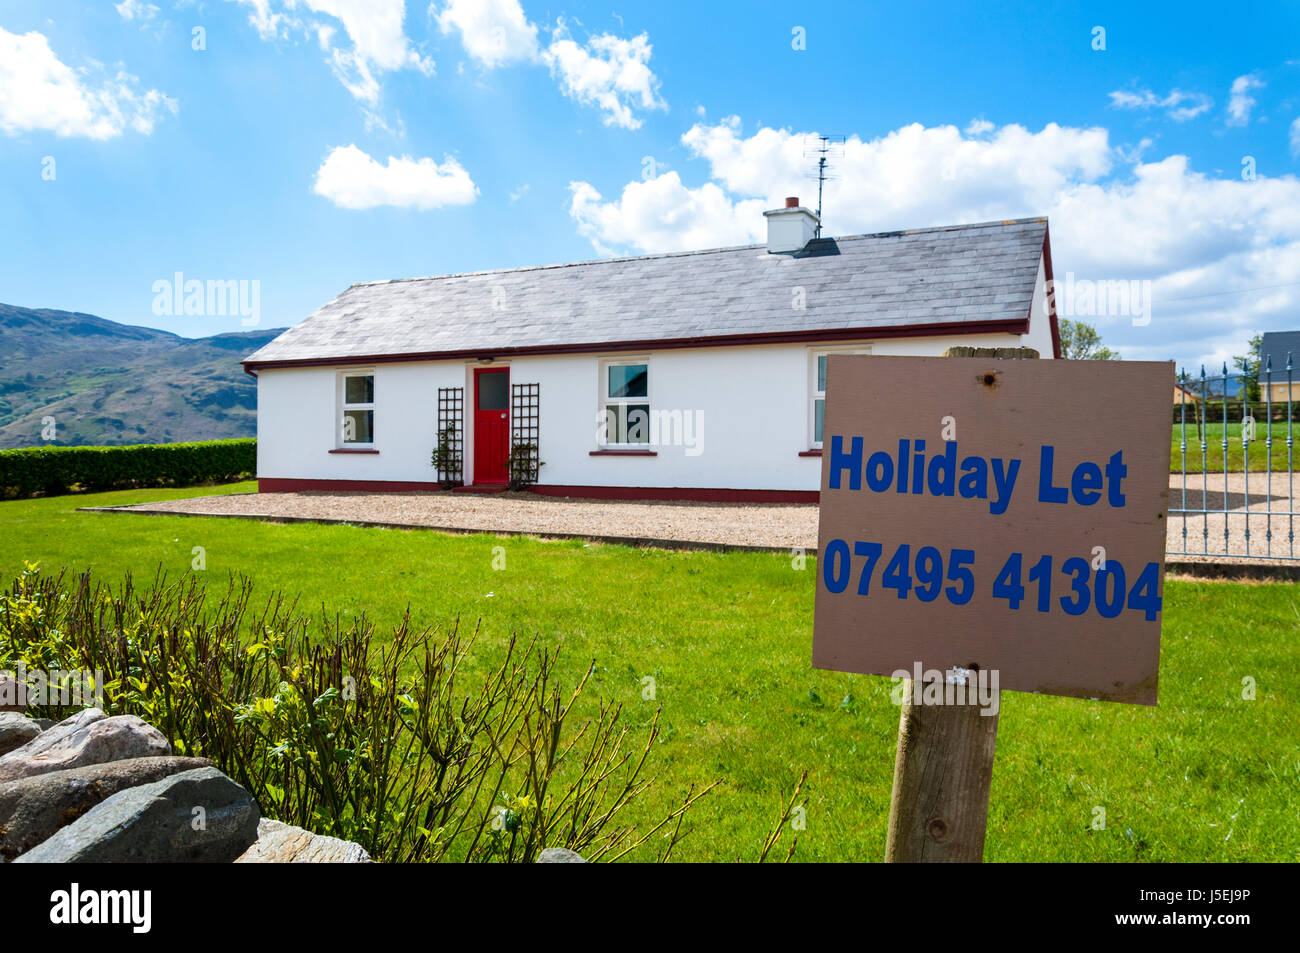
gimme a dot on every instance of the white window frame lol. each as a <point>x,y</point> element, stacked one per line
<point>813,394</point>
<point>343,407</point>
<point>605,401</point>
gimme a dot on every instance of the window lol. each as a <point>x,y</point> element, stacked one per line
<point>624,403</point>
<point>817,390</point>
<point>494,390</point>
<point>357,424</point>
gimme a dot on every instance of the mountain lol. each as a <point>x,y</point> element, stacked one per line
<point>109,383</point>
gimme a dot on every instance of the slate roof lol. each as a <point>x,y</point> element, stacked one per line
<point>1277,345</point>
<point>955,276</point>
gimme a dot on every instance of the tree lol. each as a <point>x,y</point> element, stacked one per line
<point>1247,366</point>
<point>1081,342</point>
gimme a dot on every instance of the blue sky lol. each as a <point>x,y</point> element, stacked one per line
<point>313,143</point>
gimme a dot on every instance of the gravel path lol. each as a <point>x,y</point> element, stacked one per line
<point>723,524</point>
<point>1261,505</point>
<point>736,524</point>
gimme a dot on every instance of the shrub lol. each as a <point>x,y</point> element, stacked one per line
<point>524,465</point>
<point>53,470</point>
<point>446,459</point>
<point>390,745</point>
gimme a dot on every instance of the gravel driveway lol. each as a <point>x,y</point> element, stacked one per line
<point>780,526</point>
<point>722,524</point>
<point>1262,505</point>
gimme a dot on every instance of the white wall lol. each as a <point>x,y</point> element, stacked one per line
<point>297,414</point>
<point>1040,329</point>
<point>755,403</point>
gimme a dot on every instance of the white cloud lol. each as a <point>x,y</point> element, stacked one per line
<point>1132,155</point>
<point>493,32</point>
<point>1179,105</point>
<point>1169,220</point>
<point>375,31</point>
<point>135,10</point>
<point>662,214</point>
<point>1193,235</point>
<point>609,72</point>
<point>39,92</point>
<point>1295,137</point>
<point>1240,102</point>
<point>913,176</point>
<point>351,179</point>
<point>268,23</point>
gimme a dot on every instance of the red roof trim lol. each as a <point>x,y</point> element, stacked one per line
<point>1004,326</point>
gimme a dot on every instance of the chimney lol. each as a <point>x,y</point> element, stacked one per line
<point>789,229</point>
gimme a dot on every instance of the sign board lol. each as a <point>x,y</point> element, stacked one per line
<point>1005,515</point>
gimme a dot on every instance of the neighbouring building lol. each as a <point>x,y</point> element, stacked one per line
<point>1277,349</point>
<point>695,375</point>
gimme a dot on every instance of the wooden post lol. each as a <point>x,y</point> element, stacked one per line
<point>942,774</point>
<point>943,770</point>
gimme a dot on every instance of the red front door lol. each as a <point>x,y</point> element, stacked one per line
<point>491,425</point>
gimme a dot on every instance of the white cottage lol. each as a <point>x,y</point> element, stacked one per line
<point>694,375</point>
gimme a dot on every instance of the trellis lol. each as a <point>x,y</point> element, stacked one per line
<point>451,421</point>
<point>525,419</point>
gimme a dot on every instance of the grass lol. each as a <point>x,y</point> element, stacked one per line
<point>1206,776</point>
<point>1212,461</point>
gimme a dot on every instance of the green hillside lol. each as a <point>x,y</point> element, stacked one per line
<point>108,383</point>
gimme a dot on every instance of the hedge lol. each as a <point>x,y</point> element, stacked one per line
<point>54,470</point>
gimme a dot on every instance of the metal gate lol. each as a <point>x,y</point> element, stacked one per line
<point>1234,494</point>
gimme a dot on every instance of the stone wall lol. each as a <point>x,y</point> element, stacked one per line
<point>101,789</point>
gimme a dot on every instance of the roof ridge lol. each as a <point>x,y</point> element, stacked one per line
<point>698,251</point>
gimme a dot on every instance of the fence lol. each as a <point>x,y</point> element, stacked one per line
<point>1234,409</point>
<point>1241,452</point>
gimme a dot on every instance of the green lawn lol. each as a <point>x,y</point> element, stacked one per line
<point>1212,436</point>
<point>1205,776</point>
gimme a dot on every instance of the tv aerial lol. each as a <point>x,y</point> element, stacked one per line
<point>823,149</point>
